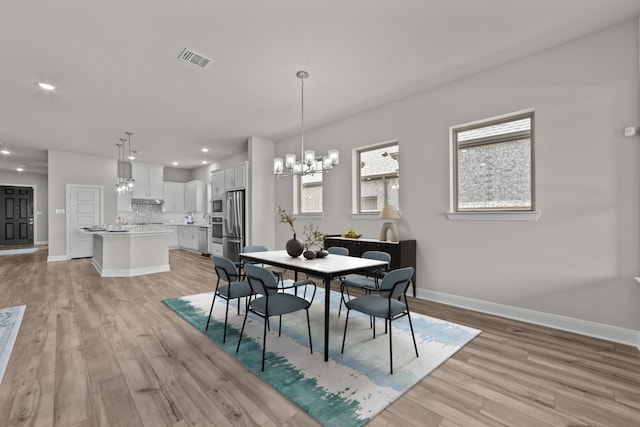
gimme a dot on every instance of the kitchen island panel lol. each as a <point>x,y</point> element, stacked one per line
<point>130,254</point>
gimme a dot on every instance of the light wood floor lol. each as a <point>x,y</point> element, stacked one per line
<point>107,352</point>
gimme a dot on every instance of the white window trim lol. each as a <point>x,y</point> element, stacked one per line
<point>355,194</point>
<point>525,215</point>
<point>494,216</point>
<point>371,215</point>
<point>309,215</point>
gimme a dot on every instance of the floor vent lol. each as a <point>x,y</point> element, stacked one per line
<point>194,58</point>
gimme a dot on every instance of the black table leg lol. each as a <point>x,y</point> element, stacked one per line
<point>327,304</point>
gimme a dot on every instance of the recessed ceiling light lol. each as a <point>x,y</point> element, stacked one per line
<point>132,157</point>
<point>46,86</point>
<point>205,150</point>
<point>5,152</point>
<point>175,163</point>
<point>204,162</point>
<point>20,168</point>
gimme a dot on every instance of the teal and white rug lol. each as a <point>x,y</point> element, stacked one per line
<point>10,319</point>
<point>350,388</point>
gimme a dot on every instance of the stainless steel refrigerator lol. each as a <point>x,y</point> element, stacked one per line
<point>233,224</point>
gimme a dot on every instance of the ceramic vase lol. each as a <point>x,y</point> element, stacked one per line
<point>309,254</point>
<point>295,247</point>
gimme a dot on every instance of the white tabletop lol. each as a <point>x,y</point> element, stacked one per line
<point>331,264</point>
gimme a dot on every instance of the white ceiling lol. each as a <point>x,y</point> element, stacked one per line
<point>115,65</point>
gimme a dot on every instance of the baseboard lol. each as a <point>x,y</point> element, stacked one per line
<point>42,242</point>
<point>583,327</point>
<point>57,258</point>
<point>129,272</point>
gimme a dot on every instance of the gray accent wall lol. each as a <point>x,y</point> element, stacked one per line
<point>580,258</point>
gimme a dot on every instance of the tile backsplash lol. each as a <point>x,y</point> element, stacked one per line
<point>148,214</point>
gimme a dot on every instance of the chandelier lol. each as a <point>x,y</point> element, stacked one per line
<point>308,163</point>
<point>125,183</point>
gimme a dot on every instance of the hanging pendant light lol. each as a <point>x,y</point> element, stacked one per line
<point>119,161</point>
<point>125,183</point>
<point>308,163</point>
<point>131,183</point>
<point>131,152</point>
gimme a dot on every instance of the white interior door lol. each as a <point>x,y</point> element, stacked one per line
<point>84,209</point>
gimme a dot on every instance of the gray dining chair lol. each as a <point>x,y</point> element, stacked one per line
<point>368,280</point>
<point>273,302</point>
<point>338,250</point>
<point>386,304</point>
<point>235,288</point>
<point>260,248</point>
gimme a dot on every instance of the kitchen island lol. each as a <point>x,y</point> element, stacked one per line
<point>131,252</point>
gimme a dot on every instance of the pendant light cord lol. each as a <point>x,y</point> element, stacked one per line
<point>302,123</point>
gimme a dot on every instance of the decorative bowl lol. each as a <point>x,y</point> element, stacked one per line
<point>357,236</point>
<point>321,253</point>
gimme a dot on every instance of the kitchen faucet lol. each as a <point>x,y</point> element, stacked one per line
<point>206,214</point>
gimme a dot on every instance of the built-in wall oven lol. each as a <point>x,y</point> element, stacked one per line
<point>216,229</point>
<point>216,246</point>
<point>217,206</point>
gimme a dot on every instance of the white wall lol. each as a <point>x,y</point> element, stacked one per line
<point>172,174</point>
<point>578,260</point>
<point>72,168</point>
<point>39,182</point>
<point>261,192</point>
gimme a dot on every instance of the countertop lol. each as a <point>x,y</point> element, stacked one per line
<point>129,230</point>
<point>195,224</point>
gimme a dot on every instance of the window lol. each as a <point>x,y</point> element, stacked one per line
<point>378,179</point>
<point>492,165</point>
<point>309,192</point>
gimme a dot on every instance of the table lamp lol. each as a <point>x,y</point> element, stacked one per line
<point>389,212</point>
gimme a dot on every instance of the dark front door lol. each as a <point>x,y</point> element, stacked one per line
<point>16,215</point>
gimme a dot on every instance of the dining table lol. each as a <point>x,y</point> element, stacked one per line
<point>328,268</point>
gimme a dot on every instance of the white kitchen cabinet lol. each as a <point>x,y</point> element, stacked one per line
<point>174,197</point>
<point>173,236</point>
<point>234,178</point>
<point>216,249</point>
<point>188,237</point>
<point>217,183</point>
<point>195,196</point>
<point>181,235</point>
<point>148,179</point>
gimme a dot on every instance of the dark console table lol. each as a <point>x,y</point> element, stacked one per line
<point>403,253</point>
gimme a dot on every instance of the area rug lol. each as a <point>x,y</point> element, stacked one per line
<point>10,319</point>
<point>350,388</point>
<point>17,251</point>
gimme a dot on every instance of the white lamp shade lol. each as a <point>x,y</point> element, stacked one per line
<point>389,212</point>
<point>309,157</point>
<point>326,162</point>
<point>334,155</point>
<point>290,160</point>
<point>297,167</point>
<point>278,165</point>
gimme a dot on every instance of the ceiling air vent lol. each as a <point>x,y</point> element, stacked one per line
<point>194,58</point>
